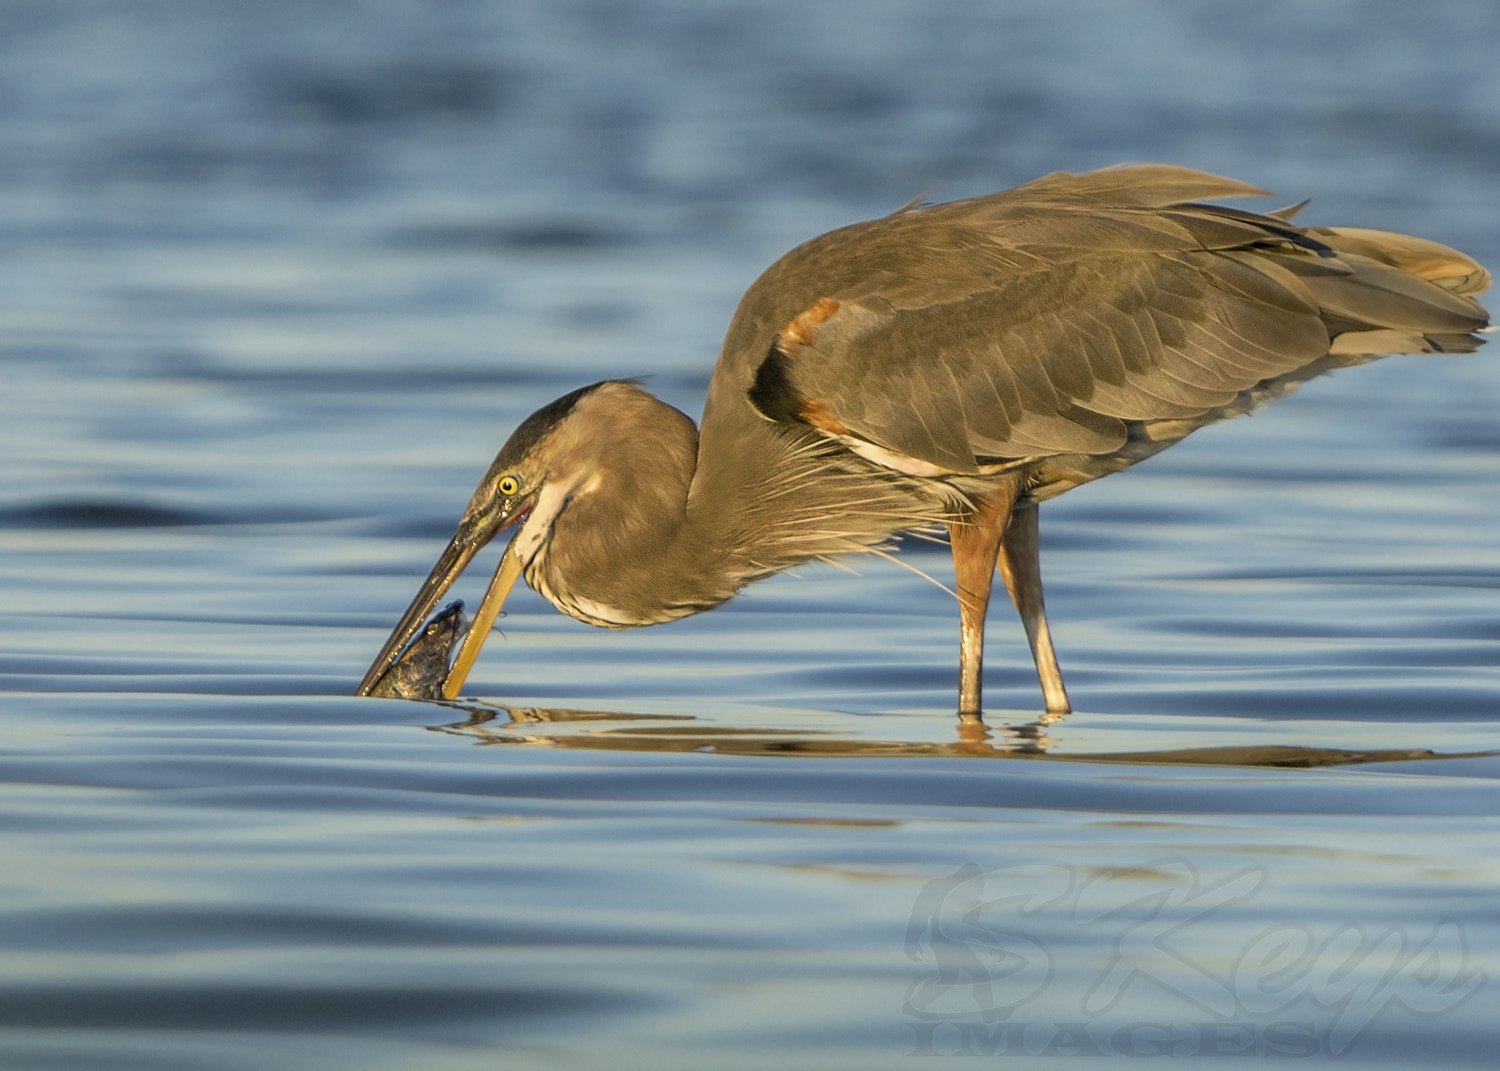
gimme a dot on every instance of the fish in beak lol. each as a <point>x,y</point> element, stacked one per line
<point>447,570</point>
<point>422,668</point>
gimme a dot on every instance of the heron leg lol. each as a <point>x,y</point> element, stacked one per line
<point>1020,566</point>
<point>976,544</point>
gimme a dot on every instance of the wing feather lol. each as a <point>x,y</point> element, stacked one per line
<point>1046,319</point>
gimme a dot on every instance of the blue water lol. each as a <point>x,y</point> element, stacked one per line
<point>277,279</point>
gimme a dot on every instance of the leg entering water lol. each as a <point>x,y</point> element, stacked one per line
<point>976,546</point>
<point>1020,565</point>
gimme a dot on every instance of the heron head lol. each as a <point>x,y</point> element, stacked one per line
<point>534,468</point>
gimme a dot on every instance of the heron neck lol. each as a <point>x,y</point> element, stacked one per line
<point>680,521</point>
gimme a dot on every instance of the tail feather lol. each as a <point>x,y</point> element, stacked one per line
<point>1386,340</point>
<point>1392,293</point>
<point>1438,264</point>
<point>1368,293</point>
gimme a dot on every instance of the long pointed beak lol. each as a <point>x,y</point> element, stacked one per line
<point>455,558</point>
<point>484,620</point>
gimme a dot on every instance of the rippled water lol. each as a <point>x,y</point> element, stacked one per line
<point>277,279</point>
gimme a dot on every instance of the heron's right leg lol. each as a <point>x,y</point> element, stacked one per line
<point>1020,565</point>
<point>976,545</point>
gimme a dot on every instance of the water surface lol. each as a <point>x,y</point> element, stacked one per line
<point>278,280</point>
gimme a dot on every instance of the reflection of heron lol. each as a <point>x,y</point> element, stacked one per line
<point>612,730</point>
<point>956,365</point>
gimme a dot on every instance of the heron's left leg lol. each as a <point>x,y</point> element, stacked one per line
<point>976,545</point>
<point>1020,565</point>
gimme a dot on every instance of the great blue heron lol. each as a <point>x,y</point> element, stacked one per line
<point>948,365</point>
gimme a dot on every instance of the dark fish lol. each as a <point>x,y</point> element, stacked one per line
<point>420,671</point>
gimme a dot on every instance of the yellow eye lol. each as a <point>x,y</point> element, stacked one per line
<point>509,485</point>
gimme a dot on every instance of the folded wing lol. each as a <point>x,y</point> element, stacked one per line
<point>1051,318</point>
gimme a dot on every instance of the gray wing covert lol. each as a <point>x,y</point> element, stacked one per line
<point>1044,320</point>
<point>1049,361</point>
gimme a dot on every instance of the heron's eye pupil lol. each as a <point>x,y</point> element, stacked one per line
<point>509,485</point>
